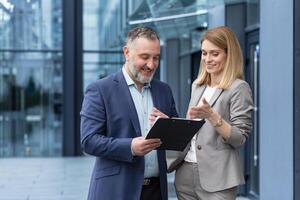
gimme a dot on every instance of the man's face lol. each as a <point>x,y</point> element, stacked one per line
<point>142,59</point>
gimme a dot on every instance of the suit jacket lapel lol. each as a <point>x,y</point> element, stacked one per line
<point>215,96</point>
<point>125,93</point>
<point>197,93</point>
<point>155,95</point>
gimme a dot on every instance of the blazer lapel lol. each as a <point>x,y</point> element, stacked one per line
<point>215,96</point>
<point>155,95</point>
<point>125,93</point>
<point>198,92</point>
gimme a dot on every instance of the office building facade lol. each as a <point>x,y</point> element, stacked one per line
<point>50,50</point>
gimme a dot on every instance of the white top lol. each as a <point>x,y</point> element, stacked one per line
<point>191,155</point>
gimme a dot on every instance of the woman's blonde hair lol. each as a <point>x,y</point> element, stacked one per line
<point>224,38</point>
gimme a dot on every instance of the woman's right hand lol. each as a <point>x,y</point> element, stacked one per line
<point>200,112</point>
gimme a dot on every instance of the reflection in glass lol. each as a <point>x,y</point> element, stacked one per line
<point>99,64</point>
<point>252,12</point>
<point>30,78</point>
<point>102,54</point>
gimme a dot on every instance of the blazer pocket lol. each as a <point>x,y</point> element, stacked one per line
<point>110,171</point>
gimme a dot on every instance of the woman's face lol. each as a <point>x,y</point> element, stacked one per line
<point>213,57</point>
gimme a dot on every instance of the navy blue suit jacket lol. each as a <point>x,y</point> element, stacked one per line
<point>109,121</point>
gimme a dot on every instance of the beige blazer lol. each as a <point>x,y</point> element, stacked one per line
<point>219,162</point>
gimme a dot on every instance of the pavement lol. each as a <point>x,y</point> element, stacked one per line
<point>61,178</point>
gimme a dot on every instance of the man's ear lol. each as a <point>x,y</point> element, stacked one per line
<point>126,52</point>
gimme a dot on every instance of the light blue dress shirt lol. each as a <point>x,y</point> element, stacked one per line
<point>144,104</point>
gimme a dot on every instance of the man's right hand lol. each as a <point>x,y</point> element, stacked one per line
<point>141,146</point>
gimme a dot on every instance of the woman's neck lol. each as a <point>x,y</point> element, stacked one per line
<point>215,80</point>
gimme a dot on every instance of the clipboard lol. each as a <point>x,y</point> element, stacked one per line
<point>174,133</point>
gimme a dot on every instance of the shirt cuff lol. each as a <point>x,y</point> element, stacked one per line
<point>133,154</point>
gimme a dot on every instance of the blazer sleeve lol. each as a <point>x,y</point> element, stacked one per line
<point>241,106</point>
<point>94,139</point>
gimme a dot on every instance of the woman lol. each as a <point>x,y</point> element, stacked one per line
<point>210,167</point>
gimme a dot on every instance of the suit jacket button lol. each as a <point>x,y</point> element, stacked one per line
<point>199,147</point>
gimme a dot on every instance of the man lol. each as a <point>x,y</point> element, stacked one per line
<point>115,120</point>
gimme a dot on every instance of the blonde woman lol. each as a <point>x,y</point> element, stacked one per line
<point>210,167</point>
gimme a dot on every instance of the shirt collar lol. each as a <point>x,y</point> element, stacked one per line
<point>129,80</point>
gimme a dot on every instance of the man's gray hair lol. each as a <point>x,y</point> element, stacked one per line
<point>141,32</point>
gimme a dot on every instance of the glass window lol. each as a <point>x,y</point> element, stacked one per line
<point>30,78</point>
<point>252,12</point>
<point>102,55</point>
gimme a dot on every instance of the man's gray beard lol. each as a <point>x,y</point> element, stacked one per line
<point>138,75</point>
